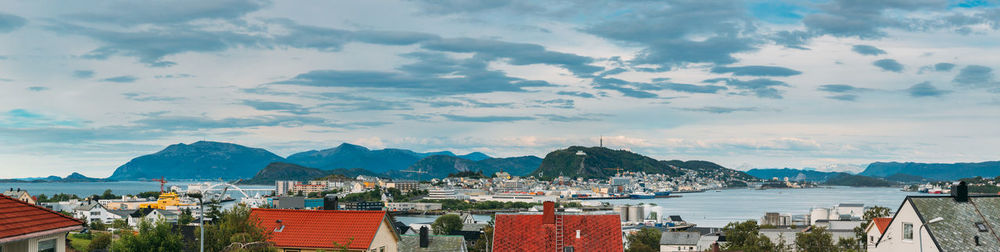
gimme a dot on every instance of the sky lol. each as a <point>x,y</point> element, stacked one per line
<point>829,85</point>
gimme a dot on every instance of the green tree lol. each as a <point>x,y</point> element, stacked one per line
<point>108,195</point>
<point>816,240</point>
<point>236,230</point>
<point>98,225</point>
<point>870,214</point>
<point>447,224</point>
<point>185,217</point>
<point>484,242</point>
<point>848,245</point>
<point>119,224</point>
<point>153,194</point>
<point>100,241</point>
<point>645,240</point>
<point>150,237</point>
<point>746,236</point>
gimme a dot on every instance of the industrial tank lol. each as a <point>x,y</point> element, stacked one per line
<point>635,214</point>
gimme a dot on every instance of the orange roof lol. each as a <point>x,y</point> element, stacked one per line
<point>882,223</point>
<point>320,228</point>
<point>21,218</point>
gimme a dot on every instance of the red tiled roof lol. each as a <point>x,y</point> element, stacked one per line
<point>320,228</point>
<point>525,232</point>
<point>882,224</point>
<point>20,218</point>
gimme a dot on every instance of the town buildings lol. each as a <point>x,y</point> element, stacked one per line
<point>679,241</point>
<point>21,195</point>
<point>27,227</point>
<point>959,222</point>
<point>551,231</point>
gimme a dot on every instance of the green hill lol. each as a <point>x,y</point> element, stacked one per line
<point>845,179</point>
<point>934,171</point>
<point>440,166</point>
<point>286,171</point>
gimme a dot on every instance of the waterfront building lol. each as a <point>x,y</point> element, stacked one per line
<point>281,187</point>
<point>66,206</point>
<point>404,185</point>
<point>439,194</point>
<point>551,231</point>
<point>27,227</point>
<point>424,242</point>
<point>840,228</point>
<point>959,222</point>
<point>783,236</point>
<point>776,219</point>
<point>21,195</point>
<point>305,189</point>
<point>411,206</point>
<point>364,206</point>
<point>312,230</point>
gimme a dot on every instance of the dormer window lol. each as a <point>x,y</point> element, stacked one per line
<point>982,227</point>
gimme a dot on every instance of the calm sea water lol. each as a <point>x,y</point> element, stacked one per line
<point>707,209</point>
<point>716,209</point>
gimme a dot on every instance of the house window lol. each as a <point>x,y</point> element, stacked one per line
<point>907,231</point>
<point>47,245</point>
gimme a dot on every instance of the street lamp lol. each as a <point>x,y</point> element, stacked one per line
<point>201,219</point>
<point>932,221</point>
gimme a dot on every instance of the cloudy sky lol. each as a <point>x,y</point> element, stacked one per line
<point>832,85</point>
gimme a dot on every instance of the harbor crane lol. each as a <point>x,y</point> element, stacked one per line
<point>162,182</point>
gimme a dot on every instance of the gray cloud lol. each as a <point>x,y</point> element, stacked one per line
<point>867,50</point>
<point>572,118</point>
<point>664,32</point>
<point>756,71</point>
<point>975,76</point>
<point>622,86</point>
<point>483,119</point>
<point>943,67</point>
<point>277,106</point>
<point>844,97</point>
<point>863,19</point>
<point>792,39</point>
<point>925,89</point>
<point>691,88</point>
<point>10,22</point>
<point>577,94</point>
<point>83,74</point>
<point>194,123</point>
<point>557,103</point>
<point>145,97</point>
<point>121,79</point>
<point>37,88</point>
<point>763,88</point>
<point>720,110</point>
<point>889,65</point>
<point>128,13</point>
<point>518,53</point>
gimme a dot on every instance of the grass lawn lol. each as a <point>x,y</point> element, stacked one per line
<point>78,244</point>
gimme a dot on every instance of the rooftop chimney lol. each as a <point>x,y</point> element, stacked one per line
<point>549,212</point>
<point>330,203</point>
<point>960,191</point>
<point>424,239</point>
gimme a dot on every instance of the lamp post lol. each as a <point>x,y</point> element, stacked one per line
<point>201,219</point>
<point>932,221</point>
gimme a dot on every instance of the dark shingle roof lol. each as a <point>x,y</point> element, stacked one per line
<point>437,243</point>
<point>958,229</point>
<point>679,238</point>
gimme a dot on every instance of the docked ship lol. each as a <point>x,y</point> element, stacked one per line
<point>662,194</point>
<point>642,195</point>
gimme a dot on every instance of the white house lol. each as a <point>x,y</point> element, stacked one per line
<point>95,212</point>
<point>959,222</point>
<point>875,229</point>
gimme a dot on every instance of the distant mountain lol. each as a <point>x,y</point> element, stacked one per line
<point>200,160</point>
<point>709,169</point>
<point>844,179</point>
<point>378,161</point>
<point>906,178</point>
<point>934,171</point>
<point>477,156</point>
<point>792,174</point>
<point>73,177</point>
<point>286,171</point>
<point>440,166</point>
<point>598,162</point>
<point>77,177</point>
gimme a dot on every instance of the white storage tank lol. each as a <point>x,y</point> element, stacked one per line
<point>818,214</point>
<point>622,212</point>
<point>635,214</point>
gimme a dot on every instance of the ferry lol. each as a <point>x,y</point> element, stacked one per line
<point>662,194</point>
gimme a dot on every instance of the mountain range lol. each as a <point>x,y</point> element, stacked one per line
<point>933,171</point>
<point>792,174</point>
<point>74,177</point>
<point>378,161</point>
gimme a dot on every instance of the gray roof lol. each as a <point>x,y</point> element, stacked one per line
<point>679,238</point>
<point>86,206</point>
<point>473,227</point>
<point>122,213</point>
<point>437,243</point>
<point>958,229</point>
<point>851,205</point>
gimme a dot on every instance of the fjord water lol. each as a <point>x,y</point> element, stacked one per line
<point>716,209</point>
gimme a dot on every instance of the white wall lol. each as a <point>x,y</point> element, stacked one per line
<point>893,239</point>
